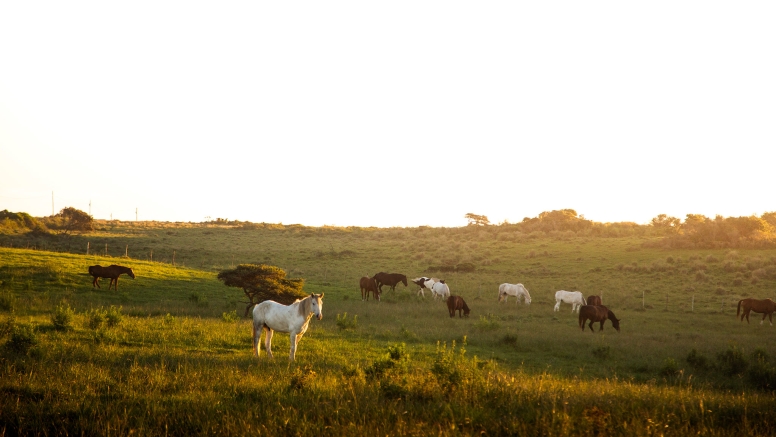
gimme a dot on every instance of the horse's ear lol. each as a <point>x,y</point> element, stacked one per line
<point>321,296</point>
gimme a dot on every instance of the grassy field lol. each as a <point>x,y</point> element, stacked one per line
<point>170,353</point>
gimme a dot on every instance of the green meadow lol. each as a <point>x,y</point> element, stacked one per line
<point>169,352</point>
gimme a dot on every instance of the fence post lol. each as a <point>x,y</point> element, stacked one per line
<point>173,257</point>
<point>87,248</point>
<point>126,251</point>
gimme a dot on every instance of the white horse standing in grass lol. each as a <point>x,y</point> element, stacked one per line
<point>575,298</point>
<point>440,289</point>
<point>505,290</point>
<point>270,316</point>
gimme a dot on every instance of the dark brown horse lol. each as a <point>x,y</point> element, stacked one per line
<point>594,300</point>
<point>764,306</point>
<point>113,272</point>
<point>456,303</point>
<point>369,285</point>
<point>389,279</point>
<point>597,313</point>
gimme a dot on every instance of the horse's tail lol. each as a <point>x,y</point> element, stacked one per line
<point>738,311</point>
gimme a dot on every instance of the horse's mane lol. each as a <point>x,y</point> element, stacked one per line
<point>304,306</point>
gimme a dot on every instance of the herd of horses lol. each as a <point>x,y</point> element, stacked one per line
<point>270,316</point>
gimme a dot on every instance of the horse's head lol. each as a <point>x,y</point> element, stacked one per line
<point>616,323</point>
<point>316,305</point>
<point>404,280</point>
<point>131,274</point>
<point>527,299</point>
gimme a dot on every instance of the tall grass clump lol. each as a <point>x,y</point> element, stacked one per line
<point>62,318</point>
<point>732,361</point>
<point>113,316</point>
<point>23,338</point>
<point>345,324</point>
<point>7,301</point>
<point>95,318</point>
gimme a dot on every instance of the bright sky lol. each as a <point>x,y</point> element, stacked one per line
<point>400,113</point>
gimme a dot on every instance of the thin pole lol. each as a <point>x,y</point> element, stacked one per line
<point>87,248</point>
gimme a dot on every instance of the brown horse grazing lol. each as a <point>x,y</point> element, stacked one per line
<point>764,306</point>
<point>369,285</point>
<point>456,303</point>
<point>113,272</point>
<point>597,313</point>
<point>390,279</point>
<point>594,300</point>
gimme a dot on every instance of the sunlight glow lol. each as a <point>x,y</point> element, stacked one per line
<point>400,114</point>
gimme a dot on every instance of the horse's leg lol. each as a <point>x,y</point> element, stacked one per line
<point>591,325</point>
<point>268,341</point>
<point>557,305</point>
<point>770,318</point>
<point>294,340</point>
<point>256,339</point>
<point>601,328</point>
<point>746,312</point>
<point>761,321</point>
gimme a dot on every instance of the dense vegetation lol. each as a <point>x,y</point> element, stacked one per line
<point>170,352</point>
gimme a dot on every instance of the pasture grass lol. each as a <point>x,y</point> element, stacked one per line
<point>170,352</point>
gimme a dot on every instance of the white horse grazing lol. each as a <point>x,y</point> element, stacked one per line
<point>505,290</point>
<point>440,289</point>
<point>425,283</point>
<point>270,316</point>
<point>575,298</point>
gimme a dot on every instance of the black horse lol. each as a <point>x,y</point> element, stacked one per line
<point>113,272</point>
<point>390,279</point>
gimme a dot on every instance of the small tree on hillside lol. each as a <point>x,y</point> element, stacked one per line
<point>74,220</point>
<point>262,282</point>
<point>477,220</point>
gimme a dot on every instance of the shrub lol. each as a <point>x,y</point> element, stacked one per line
<point>230,317</point>
<point>23,338</point>
<point>696,360</point>
<point>732,361</point>
<point>601,352</point>
<point>345,324</point>
<point>95,318</point>
<point>113,316</point>
<point>509,339</point>
<point>198,299</point>
<point>762,376</point>
<point>396,361</point>
<point>445,367</point>
<point>63,318</point>
<point>7,302</point>
<point>6,327</point>
<point>302,378</point>
<point>487,323</point>
<point>670,368</point>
